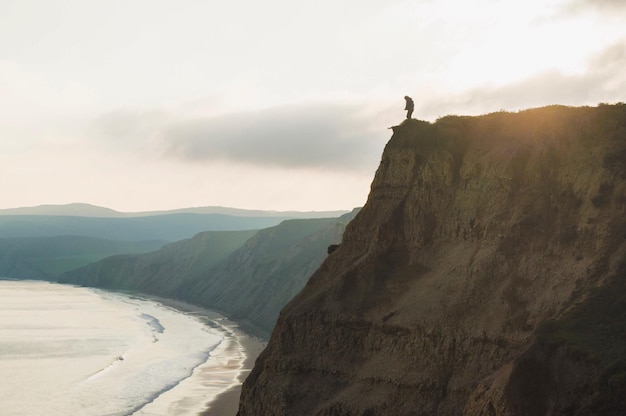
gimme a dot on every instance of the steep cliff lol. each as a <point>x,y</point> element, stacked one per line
<point>259,278</point>
<point>486,275</point>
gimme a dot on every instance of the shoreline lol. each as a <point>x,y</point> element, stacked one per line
<point>213,387</point>
<point>227,402</point>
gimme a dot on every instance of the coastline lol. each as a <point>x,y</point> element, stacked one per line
<point>226,402</point>
<point>212,388</point>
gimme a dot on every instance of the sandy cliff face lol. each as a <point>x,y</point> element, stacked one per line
<point>484,276</point>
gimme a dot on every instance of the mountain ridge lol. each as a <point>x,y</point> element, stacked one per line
<point>88,210</point>
<point>168,227</point>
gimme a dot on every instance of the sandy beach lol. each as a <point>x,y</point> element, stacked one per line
<point>227,403</point>
<point>73,350</point>
<point>236,343</point>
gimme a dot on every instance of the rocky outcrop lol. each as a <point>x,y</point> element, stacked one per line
<point>484,276</point>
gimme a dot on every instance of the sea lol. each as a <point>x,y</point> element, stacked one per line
<point>67,350</point>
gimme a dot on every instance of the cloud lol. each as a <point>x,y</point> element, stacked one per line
<point>307,136</point>
<point>129,125</point>
<point>604,80</point>
<point>603,6</point>
<point>310,136</point>
<point>610,62</point>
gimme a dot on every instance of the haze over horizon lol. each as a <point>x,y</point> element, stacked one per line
<point>153,105</point>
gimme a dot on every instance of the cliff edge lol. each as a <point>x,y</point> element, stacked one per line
<point>486,275</point>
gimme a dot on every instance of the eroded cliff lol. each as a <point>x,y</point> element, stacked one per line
<point>484,276</point>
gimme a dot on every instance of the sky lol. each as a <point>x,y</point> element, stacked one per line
<point>140,105</point>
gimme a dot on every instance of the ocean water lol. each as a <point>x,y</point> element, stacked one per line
<point>67,350</point>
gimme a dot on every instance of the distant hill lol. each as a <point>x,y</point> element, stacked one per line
<point>79,210</point>
<point>168,227</point>
<point>46,258</point>
<point>88,210</point>
<point>38,246</point>
<point>163,272</point>
<point>247,275</point>
<point>92,221</point>
<point>237,212</point>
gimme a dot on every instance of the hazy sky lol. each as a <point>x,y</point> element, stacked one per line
<point>276,104</point>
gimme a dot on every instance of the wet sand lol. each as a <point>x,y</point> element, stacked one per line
<point>227,402</point>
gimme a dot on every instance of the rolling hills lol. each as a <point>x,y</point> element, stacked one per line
<point>248,275</point>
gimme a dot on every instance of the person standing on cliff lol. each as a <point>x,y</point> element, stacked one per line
<point>409,106</point>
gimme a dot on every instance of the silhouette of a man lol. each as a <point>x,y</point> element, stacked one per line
<point>409,106</point>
